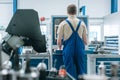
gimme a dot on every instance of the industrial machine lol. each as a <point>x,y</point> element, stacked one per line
<point>24,30</point>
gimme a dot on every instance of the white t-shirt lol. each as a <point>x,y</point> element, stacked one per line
<point>65,31</point>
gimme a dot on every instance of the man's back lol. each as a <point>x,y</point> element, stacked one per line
<point>65,30</point>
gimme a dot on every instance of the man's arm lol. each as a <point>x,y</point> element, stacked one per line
<point>59,43</point>
<point>60,35</point>
<point>85,38</point>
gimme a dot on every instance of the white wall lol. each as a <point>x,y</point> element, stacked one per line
<point>6,0</point>
<point>6,12</point>
<point>94,8</point>
<point>112,24</point>
<point>46,7</point>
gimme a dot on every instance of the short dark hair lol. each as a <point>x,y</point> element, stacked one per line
<point>71,9</point>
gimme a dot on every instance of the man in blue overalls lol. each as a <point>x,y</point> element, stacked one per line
<point>73,32</point>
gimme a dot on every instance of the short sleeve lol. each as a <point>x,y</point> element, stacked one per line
<point>60,30</point>
<point>84,28</point>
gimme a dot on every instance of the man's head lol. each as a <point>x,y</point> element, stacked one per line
<point>71,9</point>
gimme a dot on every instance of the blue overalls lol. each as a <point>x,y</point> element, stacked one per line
<point>73,53</point>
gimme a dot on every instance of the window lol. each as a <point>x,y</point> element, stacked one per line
<point>94,32</point>
<point>96,29</point>
<point>6,12</point>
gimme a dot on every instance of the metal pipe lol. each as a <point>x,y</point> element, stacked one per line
<point>78,7</point>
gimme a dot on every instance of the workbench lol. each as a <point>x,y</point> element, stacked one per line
<point>93,60</point>
<point>38,56</point>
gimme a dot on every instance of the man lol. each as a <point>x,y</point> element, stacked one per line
<point>73,32</point>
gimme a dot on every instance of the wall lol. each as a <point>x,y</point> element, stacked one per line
<point>112,24</point>
<point>94,8</point>
<point>45,7</point>
<point>6,12</point>
<point>6,9</point>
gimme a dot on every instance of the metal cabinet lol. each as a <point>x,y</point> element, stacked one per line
<point>112,44</point>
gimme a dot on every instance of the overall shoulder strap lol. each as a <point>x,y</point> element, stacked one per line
<point>70,25</point>
<point>79,23</point>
